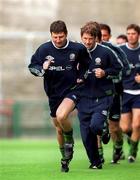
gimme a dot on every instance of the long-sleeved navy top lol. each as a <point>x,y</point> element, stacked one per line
<point>121,55</point>
<point>133,56</point>
<point>104,58</point>
<point>61,75</point>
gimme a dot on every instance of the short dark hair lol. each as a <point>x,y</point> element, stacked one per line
<point>105,27</point>
<point>89,28</point>
<point>135,27</point>
<point>58,26</point>
<point>122,36</point>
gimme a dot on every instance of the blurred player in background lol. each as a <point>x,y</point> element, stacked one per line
<point>121,39</point>
<point>130,118</point>
<point>105,31</point>
<point>56,61</point>
<point>115,110</point>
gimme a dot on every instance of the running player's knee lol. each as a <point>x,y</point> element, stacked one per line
<point>97,123</point>
<point>125,128</point>
<point>60,117</point>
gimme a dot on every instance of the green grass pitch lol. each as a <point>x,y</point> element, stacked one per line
<point>26,159</point>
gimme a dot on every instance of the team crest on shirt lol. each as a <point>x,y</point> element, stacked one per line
<point>98,61</point>
<point>49,57</point>
<point>72,57</point>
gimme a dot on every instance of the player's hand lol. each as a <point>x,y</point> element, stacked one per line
<point>80,81</point>
<point>47,63</point>
<point>137,78</point>
<point>99,73</point>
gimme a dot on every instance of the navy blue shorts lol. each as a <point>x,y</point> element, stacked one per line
<point>130,102</point>
<point>115,109</point>
<point>55,102</point>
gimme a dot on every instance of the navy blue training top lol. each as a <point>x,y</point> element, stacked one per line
<point>61,75</point>
<point>133,56</point>
<point>104,58</point>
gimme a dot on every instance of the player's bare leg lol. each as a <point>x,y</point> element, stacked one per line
<point>117,138</point>
<point>60,139</point>
<point>135,136</point>
<point>125,122</point>
<point>62,114</point>
<point>130,122</point>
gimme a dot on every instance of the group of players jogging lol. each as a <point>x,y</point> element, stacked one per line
<point>101,80</point>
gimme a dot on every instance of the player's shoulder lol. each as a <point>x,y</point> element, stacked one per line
<point>103,47</point>
<point>106,50</point>
<point>46,44</point>
<point>110,45</point>
<point>114,47</point>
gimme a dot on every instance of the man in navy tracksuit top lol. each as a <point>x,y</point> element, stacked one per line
<point>130,118</point>
<point>104,35</point>
<point>115,109</point>
<point>96,94</point>
<point>57,61</point>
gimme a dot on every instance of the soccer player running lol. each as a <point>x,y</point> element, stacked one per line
<point>115,110</point>
<point>130,117</point>
<point>96,94</point>
<point>56,61</point>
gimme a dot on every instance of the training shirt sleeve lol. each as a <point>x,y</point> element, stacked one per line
<point>36,64</point>
<point>115,65</point>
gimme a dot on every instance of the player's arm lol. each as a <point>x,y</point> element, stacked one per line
<point>126,66</point>
<point>39,64</point>
<point>115,65</point>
